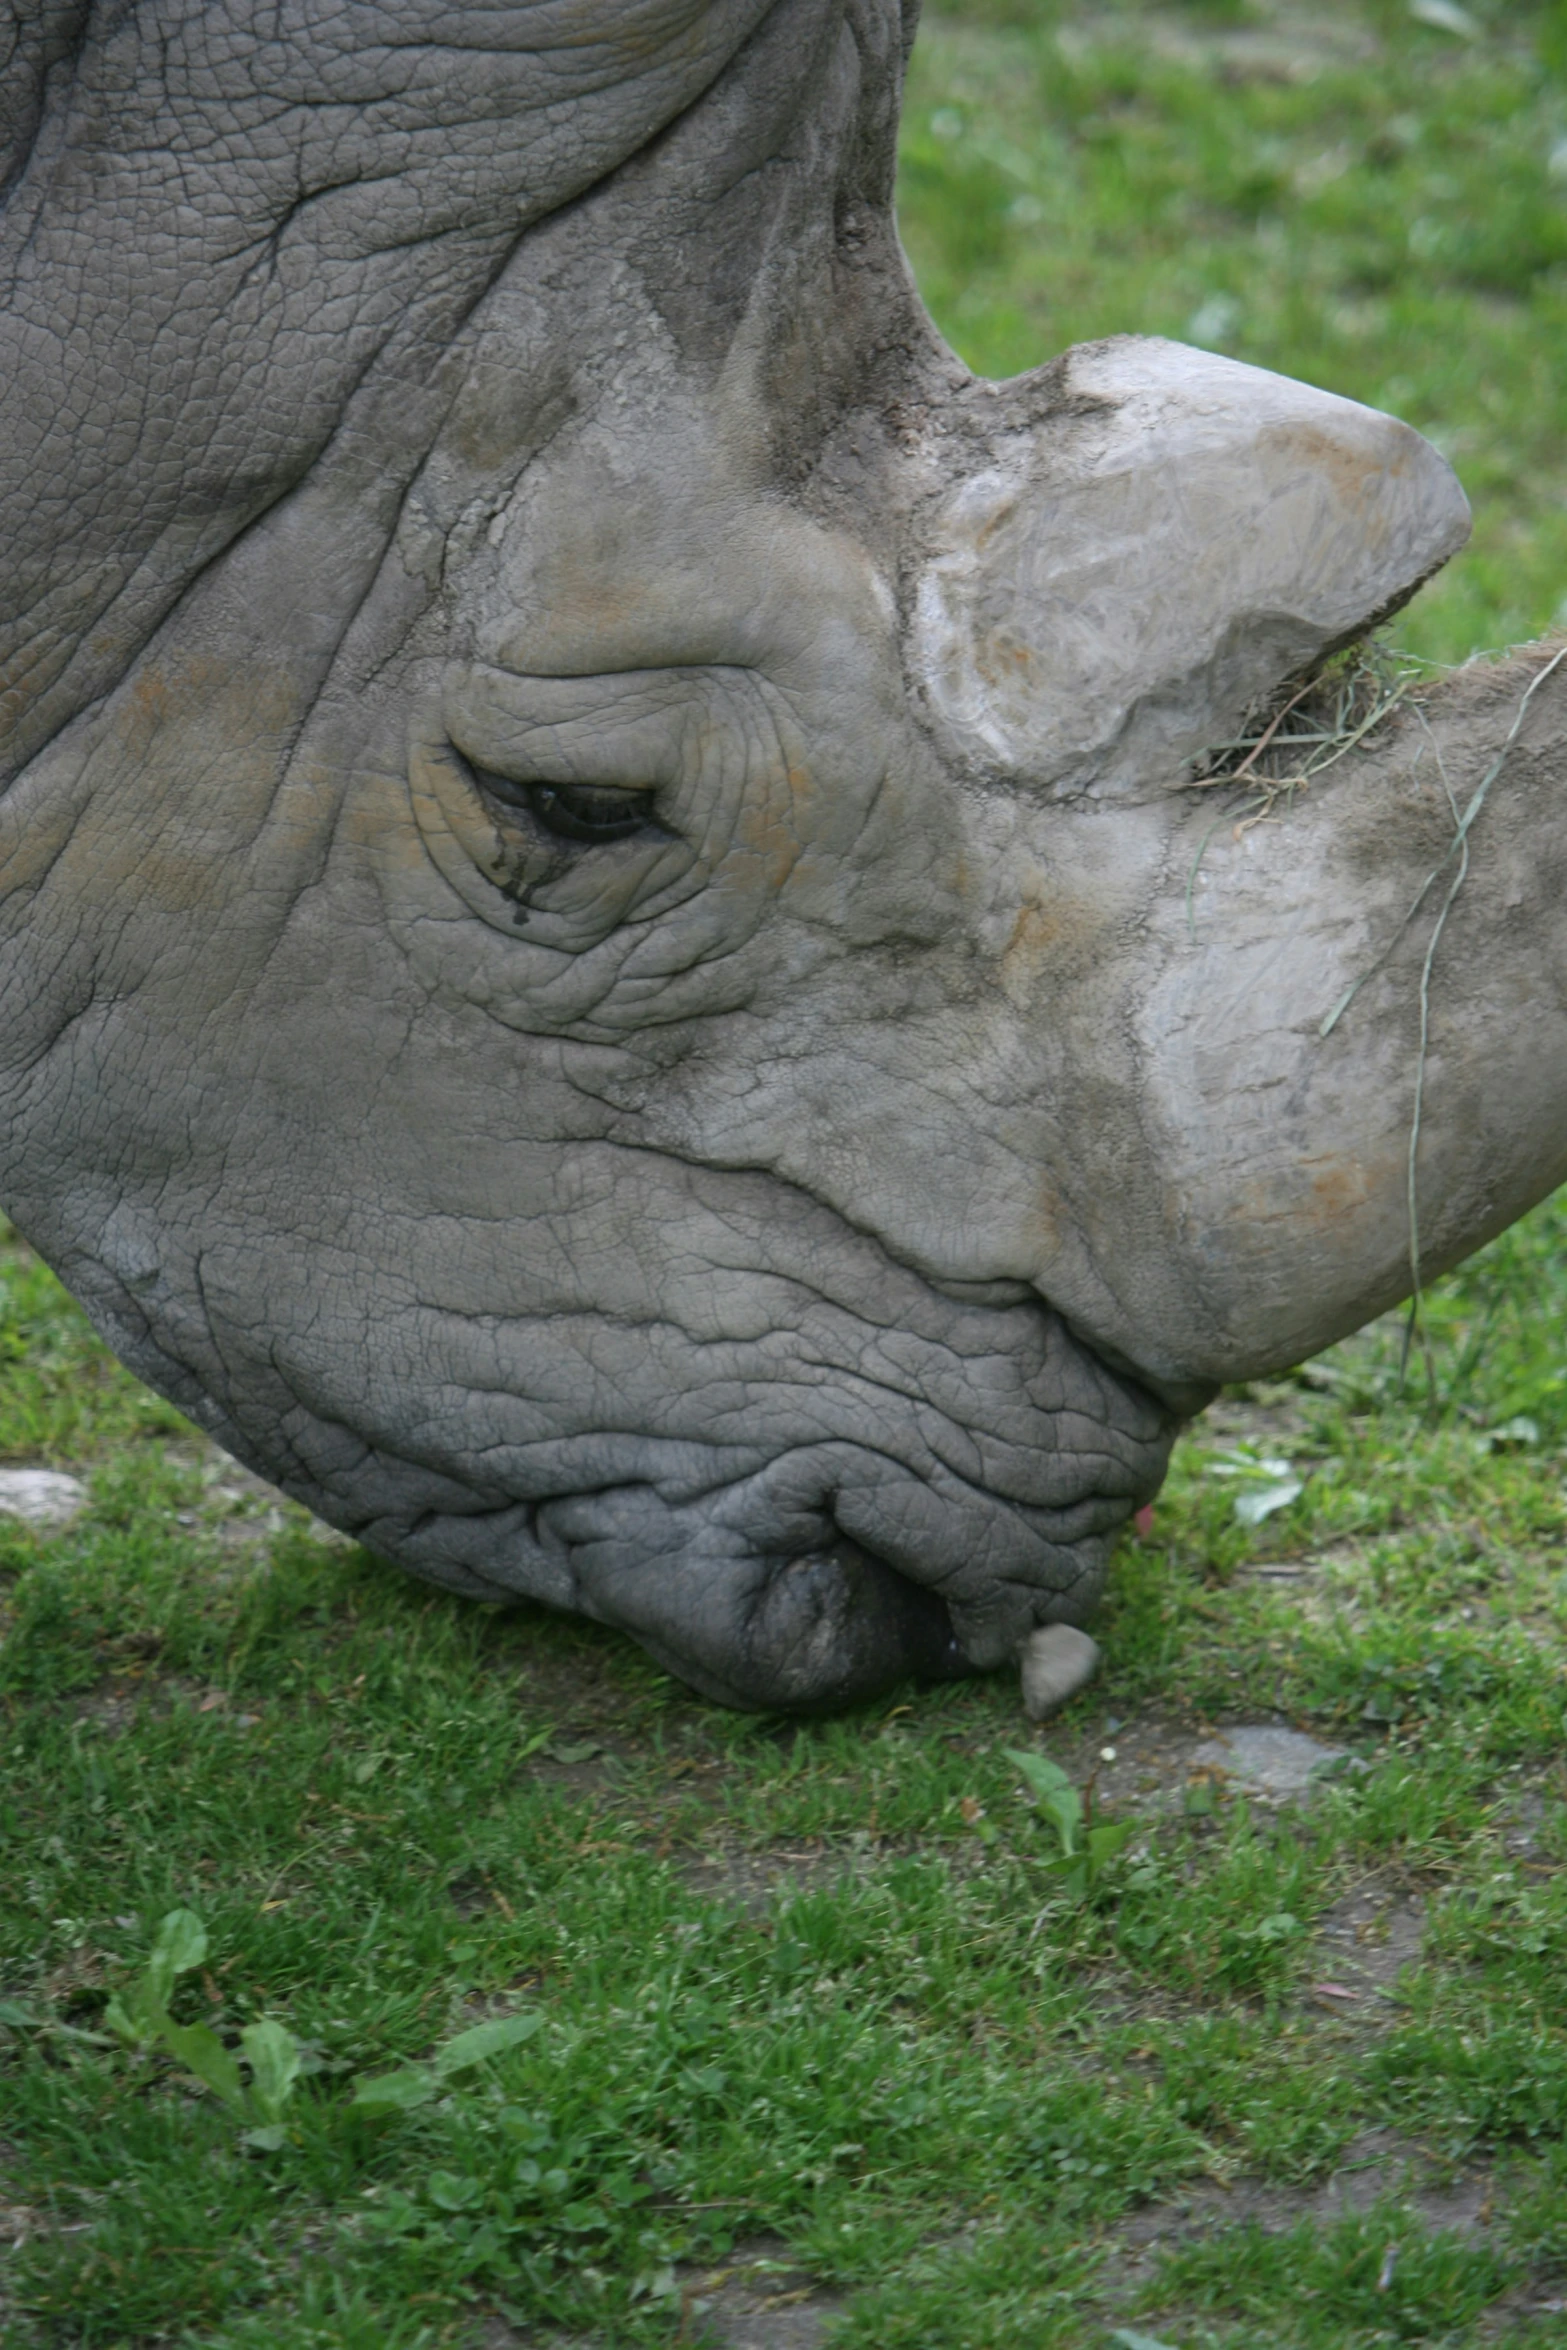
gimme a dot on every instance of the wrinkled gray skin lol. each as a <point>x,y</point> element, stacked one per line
<point>793,1229</point>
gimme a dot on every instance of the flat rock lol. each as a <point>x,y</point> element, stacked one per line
<point>1277,1763</point>
<point>41,1497</point>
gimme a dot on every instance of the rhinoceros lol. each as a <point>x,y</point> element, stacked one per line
<point>610,969</point>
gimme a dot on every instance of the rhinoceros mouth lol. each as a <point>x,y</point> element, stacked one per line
<point>821,1580</point>
<point>795,1486</point>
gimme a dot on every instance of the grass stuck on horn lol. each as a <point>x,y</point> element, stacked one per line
<point>1306,725</point>
<point>1296,733</point>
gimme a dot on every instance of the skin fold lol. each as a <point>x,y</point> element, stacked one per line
<point>607,971</point>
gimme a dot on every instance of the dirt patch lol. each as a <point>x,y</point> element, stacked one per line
<point>579,1767</point>
<point>1523,2305</point>
<point>759,2299</point>
<point>498,2333</point>
<point>113,1707</point>
<point>1362,1946</point>
<point>119,1703</point>
<point>756,2299</point>
<point>1377,2166</point>
<point>1531,1819</point>
<point>753,1881</point>
<point>1143,1764</point>
<point>1156,1765</point>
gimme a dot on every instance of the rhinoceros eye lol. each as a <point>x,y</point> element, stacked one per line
<point>584,812</point>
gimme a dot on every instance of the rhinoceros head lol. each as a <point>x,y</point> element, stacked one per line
<point>605,973</point>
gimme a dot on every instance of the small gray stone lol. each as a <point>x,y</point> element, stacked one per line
<point>1278,1763</point>
<point>1058,1661</point>
<point>41,1497</point>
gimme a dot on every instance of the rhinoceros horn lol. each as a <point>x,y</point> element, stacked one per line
<point>610,968</point>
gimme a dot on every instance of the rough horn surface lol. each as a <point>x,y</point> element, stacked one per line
<point>602,970</point>
<point>1113,600</point>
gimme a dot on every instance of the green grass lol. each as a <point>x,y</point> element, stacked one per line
<point>818,1991</point>
<point>945,2087</point>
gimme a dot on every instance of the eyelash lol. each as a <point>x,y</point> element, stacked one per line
<point>586,814</point>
